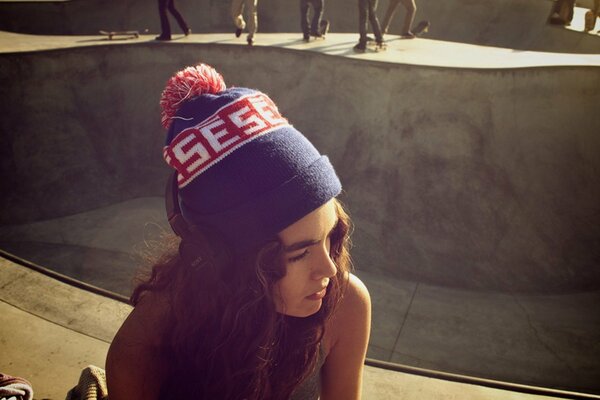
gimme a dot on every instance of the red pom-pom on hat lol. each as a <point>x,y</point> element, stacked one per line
<point>187,84</point>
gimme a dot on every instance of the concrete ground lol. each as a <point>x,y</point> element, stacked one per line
<point>515,24</point>
<point>424,51</point>
<point>531,337</point>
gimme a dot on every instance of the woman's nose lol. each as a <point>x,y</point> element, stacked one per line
<point>325,267</point>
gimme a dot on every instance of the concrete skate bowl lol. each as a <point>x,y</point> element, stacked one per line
<point>515,24</point>
<point>464,181</point>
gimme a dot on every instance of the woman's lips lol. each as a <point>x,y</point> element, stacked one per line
<point>318,295</point>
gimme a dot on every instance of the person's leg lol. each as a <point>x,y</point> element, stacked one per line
<point>363,10</point>
<point>374,21</point>
<point>182,24</point>
<point>389,14</point>
<point>237,14</point>
<point>304,19</point>
<point>571,5</point>
<point>165,28</point>
<point>317,16</point>
<point>409,17</point>
<point>251,6</point>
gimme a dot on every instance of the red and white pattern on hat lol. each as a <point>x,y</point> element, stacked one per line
<point>198,148</point>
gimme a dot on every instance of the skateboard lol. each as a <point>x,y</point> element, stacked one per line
<point>377,47</point>
<point>323,30</point>
<point>124,34</point>
<point>371,45</point>
<point>590,21</point>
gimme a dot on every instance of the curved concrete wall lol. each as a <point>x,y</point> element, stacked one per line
<point>519,24</point>
<point>473,178</point>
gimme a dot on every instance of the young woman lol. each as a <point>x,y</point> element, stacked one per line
<point>256,299</point>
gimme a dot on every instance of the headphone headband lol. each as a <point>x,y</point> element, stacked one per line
<point>196,247</point>
<point>178,224</point>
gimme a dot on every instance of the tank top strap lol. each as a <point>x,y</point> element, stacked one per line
<point>310,389</point>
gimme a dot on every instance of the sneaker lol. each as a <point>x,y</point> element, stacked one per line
<point>250,41</point>
<point>360,47</point>
<point>162,38</point>
<point>188,32</point>
<point>317,35</point>
<point>306,37</point>
<point>238,32</point>
<point>408,35</point>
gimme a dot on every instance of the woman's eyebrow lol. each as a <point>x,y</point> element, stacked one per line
<point>300,245</point>
<point>309,242</point>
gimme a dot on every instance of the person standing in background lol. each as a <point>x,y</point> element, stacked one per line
<point>314,27</point>
<point>237,13</point>
<point>411,10</point>
<point>367,11</point>
<point>165,27</point>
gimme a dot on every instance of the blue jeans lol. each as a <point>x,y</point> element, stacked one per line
<point>314,27</point>
<point>366,9</point>
<point>163,6</point>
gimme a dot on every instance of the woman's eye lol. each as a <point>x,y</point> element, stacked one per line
<point>299,256</point>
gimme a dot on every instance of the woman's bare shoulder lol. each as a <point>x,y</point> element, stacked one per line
<point>149,319</point>
<point>357,294</point>
<point>346,339</point>
<point>354,311</point>
<point>134,365</point>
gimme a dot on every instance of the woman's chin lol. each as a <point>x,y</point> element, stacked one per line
<point>303,312</point>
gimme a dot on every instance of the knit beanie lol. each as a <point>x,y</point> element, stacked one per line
<point>242,169</point>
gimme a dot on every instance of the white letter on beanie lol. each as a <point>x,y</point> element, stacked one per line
<point>196,149</point>
<point>213,137</point>
<point>267,111</point>
<point>250,124</point>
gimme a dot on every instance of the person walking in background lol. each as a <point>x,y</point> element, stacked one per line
<point>237,12</point>
<point>313,28</point>
<point>367,11</point>
<point>411,10</point>
<point>165,27</point>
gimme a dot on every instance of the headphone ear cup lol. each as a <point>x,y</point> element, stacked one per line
<point>220,252</point>
<point>193,254</point>
<point>197,248</point>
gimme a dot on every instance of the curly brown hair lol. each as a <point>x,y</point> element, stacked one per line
<point>225,339</point>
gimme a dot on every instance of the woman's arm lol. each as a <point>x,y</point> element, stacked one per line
<point>134,368</point>
<point>347,339</point>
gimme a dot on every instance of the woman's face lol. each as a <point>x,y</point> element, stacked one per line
<point>307,261</point>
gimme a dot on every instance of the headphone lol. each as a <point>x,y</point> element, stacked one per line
<point>197,247</point>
